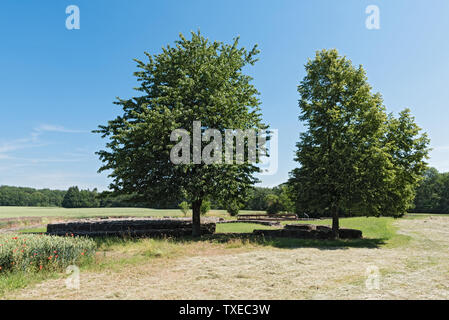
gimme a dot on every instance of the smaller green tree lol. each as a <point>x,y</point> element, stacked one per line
<point>72,198</point>
<point>76,198</point>
<point>353,157</point>
<point>89,199</point>
<point>256,199</point>
<point>233,208</point>
<point>185,208</point>
<point>285,199</point>
<point>274,205</point>
<point>280,200</point>
<point>205,207</point>
<point>443,203</point>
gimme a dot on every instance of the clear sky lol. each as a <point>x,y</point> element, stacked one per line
<point>56,85</point>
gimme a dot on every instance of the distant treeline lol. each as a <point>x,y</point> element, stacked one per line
<point>77,198</point>
<point>18,196</point>
<point>432,196</point>
<point>74,198</point>
<point>71,198</point>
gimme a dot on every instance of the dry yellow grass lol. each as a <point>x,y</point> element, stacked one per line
<point>418,271</point>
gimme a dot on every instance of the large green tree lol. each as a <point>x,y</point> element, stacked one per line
<point>195,80</point>
<point>354,158</point>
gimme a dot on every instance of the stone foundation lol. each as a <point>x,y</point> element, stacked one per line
<point>142,227</point>
<point>262,222</point>
<point>308,231</point>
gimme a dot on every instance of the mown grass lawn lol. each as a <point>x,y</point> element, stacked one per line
<point>114,253</point>
<point>17,212</point>
<point>13,212</point>
<point>240,227</point>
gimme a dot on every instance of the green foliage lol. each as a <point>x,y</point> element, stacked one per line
<point>280,200</point>
<point>205,207</point>
<point>32,253</point>
<point>75,198</point>
<point>273,204</point>
<point>407,150</point>
<point>354,158</point>
<point>286,198</point>
<point>185,208</point>
<point>29,197</point>
<point>72,198</point>
<point>109,200</point>
<point>432,194</point>
<point>233,208</point>
<point>196,80</point>
<point>257,198</point>
<point>18,196</point>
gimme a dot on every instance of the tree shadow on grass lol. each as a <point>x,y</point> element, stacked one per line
<point>241,239</point>
<point>287,243</point>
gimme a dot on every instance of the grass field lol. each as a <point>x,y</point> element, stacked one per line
<point>409,254</point>
<point>13,212</point>
<point>17,212</point>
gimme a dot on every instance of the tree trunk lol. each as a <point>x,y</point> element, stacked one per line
<point>335,223</point>
<point>196,218</point>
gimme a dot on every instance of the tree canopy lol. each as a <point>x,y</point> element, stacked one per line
<point>353,157</point>
<point>195,80</point>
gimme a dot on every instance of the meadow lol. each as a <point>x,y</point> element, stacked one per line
<point>408,255</point>
<point>15,212</point>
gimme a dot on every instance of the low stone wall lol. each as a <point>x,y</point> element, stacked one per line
<point>262,222</point>
<point>308,231</point>
<point>267,217</point>
<point>142,227</point>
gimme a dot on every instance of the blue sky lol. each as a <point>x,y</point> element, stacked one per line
<point>56,85</point>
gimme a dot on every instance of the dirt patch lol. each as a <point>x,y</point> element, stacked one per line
<point>10,230</point>
<point>418,271</point>
<point>8,225</point>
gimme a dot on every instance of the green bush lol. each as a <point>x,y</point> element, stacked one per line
<point>185,208</point>
<point>274,205</point>
<point>281,202</point>
<point>205,207</point>
<point>233,208</point>
<point>32,252</point>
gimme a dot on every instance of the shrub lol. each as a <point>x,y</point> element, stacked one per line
<point>184,206</point>
<point>205,207</point>
<point>32,252</point>
<point>273,204</point>
<point>285,199</point>
<point>233,208</point>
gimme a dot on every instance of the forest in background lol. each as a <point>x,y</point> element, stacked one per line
<point>432,196</point>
